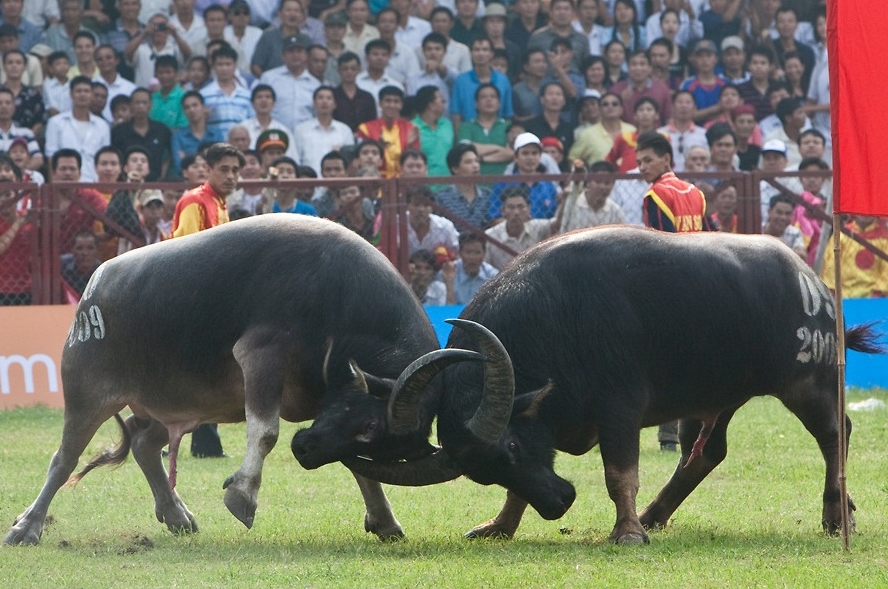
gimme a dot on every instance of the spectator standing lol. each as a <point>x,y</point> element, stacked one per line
<point>518,231</point>
<point>589,204</point>
<point>435,130</point>
<point>706,85</point>
<point>551,123</point>
<point>793,120</point>
<point>108,63</point>
<point>16,242</point>
<point>586,23</point>
<point>457,56</point>
<point>56,87</point>
<point>199,209</point>
<point>157,38</point>
<point>733,53</point>
<point>322,134</point>
<point>561,15</point>
<point>241,35</point>
<point>402,62</point>
<point>29,108</point>
<point>166,101</point>
<point>12,13</point>
<point>187,140</point>
<point>269,50</point>
<point>755,91</point>
<point>154,137</point>
<point>464,277</point>
<point>9,41</point>
<point>465,198</point>
<point>488,131</point>
<point>466,26</point>
<point>120,32</point>
<point>9,131</point>
<point>354,105</point>
<point>264,99</point>
<point>639,85</point>
<point>526,93</point>
<point>188,24</point>
<point>376,77</point>
<point>227,100</point>
<point>60,36</point>
<point>78,129</point>
<point>689,26</point>
<point>682,132</point>
<point>395,133</point>
<point>462,101</point>
<point>787,24</point>
<point>530,18</point>
<point>358,33</point>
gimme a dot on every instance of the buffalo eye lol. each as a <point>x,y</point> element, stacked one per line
<point>513,448</point>
<point>370,427</point>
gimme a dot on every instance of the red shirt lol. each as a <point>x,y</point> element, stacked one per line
<point>200,208</point>
<point>675,205</point>
<point>15,262</point>
<point>77,218</point>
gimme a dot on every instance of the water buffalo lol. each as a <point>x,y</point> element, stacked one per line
<point>615,329</point>
<point>278,316</point>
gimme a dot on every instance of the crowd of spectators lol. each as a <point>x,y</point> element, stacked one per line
<point>137,89</point>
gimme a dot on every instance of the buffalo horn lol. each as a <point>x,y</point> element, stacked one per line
<point>492,416</point>
<point>431,470</point>
<point>403,409</point>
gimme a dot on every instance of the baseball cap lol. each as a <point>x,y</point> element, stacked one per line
<point>272,138</point>
<point>774,145</point>
<point>299,41</point>
<point>336,19</point>
<point>732,42</point>
<point>147,197</point>
<point>705,45</point>
<point>495,9</point>
<point>527,139</point>
<point>18,141</point>
<point>552,142</point>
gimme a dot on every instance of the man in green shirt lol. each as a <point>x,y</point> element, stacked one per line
<point>487,131</point>
<point>166,101</point>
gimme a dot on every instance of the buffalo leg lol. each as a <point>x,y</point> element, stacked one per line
<point>819,414</point>
<point>81,424</point>
<point>688,475</point>
<point>619,444</point>
<point>505,524</point>
<point>379,518</point>
<point>148,437</point>
<point>262,361</point>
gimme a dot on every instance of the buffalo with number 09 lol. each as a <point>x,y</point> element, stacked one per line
<point>603,332</point>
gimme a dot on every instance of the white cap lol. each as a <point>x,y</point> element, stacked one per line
<point>774,145</point>
<point>591,93</point>
<point>527,139</point>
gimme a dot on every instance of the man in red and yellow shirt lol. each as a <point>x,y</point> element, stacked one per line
<point>204,207</point>
<point>396,134</point>
<point>670,204</point>
<point>199,209</point>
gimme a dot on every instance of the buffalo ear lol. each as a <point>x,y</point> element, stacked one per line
<point>381,388</point>
<point>528,404</point>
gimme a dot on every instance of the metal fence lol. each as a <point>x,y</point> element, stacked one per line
<point>32,267</point>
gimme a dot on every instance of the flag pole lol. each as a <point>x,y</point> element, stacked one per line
<point>840,366</point>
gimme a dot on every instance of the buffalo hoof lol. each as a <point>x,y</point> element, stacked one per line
<point>632,539</point>
<point>832,518</point>
<point>651,521</point>
<point>24,533</point>
<point>386,533</point>
<point>241,504</point>
<point>491,529</point>
<point>179,522</point>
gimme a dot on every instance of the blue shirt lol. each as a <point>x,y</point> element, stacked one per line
<point>185,143</point>
<point>300,208</point>
<point>543,200</point>
<point>29,35</point>
<point>227,111</point>
<point>462,99</point>
<point>465,286</point>
<point>704,96</point>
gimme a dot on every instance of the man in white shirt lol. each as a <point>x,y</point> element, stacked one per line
<point>187,22</point>
<point>411,30</point>
<point>78,129</point>
<point>373,80</point>
<point>10,131</point>
<point>292,82</point>
<point>424,229</point>
<point>158,37</point>
<point>458,57</point>
<point>518,231</point>
<point>107,62</point>
<point>240,34</point>
<point>322,134</point>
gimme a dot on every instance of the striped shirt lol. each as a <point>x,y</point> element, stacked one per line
<point>227,110</point>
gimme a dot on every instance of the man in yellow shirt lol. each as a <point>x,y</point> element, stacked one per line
<point>864,274</point>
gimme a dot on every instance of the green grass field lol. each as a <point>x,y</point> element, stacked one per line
<point>755,522</point>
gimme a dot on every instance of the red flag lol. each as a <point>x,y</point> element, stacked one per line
<point>858,66</point>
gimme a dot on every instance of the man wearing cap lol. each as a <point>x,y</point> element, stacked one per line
<point>322,134</point>
<point>706,85</point>
<point>11,14</point>
<point>561,15</point>
<point>543,197</point>
<point>272,144</point>
<point>494,22</point>
<point>150,207</point>
<point>773,162</point>
<point>733,52</point>
<point>270,47</point>
<point>334,29</point>
<point>394,132</point>
<point>240,34</point>
<point>9,131</point>
<point>292,83</point>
